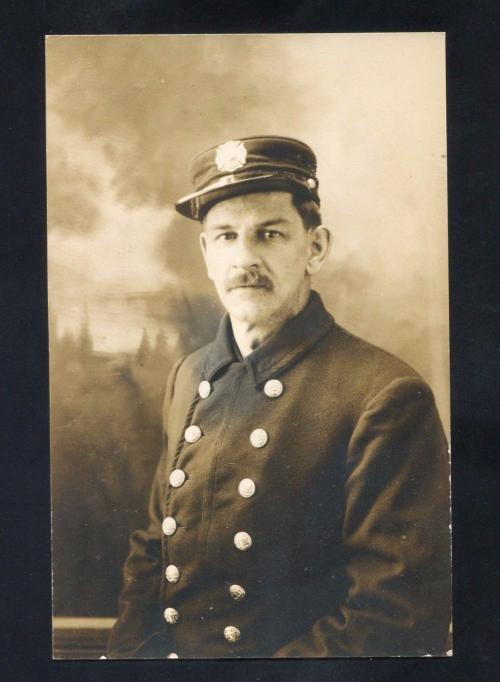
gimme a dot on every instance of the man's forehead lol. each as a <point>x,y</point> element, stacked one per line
<point>274,205</point>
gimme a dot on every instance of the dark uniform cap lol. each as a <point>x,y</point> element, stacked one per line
<point>252,164</point>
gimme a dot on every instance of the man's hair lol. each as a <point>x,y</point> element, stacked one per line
<point>308,209</point>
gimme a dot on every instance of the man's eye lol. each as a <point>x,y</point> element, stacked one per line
<point>226,236</point>
<point>271,234</point>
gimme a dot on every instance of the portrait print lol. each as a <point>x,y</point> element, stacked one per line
<point>248,326</point>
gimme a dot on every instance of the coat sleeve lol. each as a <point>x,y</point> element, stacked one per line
<point>139,630</point>
<point>396,535</point>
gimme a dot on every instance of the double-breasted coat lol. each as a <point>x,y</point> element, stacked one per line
<point>300,506</point>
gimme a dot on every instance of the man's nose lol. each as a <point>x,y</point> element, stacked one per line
<point>245,253</point>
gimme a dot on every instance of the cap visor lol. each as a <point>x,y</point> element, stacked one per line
<point>191,205</point>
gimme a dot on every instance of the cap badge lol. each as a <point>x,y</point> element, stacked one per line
<point>230,156</point>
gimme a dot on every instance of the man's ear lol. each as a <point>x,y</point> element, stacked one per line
<point>319,243</point>
<point>203,245</point>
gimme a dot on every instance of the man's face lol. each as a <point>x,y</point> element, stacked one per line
<point>256,249</point>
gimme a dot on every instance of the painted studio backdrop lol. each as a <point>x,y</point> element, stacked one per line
<point>128,291</point>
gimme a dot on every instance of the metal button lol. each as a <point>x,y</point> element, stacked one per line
<point>173,655</point>
<point>231,633</point>
<point>273,388</point>
<point>169,525</point>
<point>171,615</point>
<point>177,478</point>
<point>246,487</point>
<point>192,433</point>
<point>312,183</point>
<point>204,389</point>
<point>242,541</point>
<point>237,592</point>
<point>172,573</point>
<point>258,438</point>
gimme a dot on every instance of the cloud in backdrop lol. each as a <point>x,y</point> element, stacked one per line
<point>126,113</point>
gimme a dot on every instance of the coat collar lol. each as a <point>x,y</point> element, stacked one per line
<point>282,349</point>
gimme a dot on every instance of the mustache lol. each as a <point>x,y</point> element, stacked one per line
<point>248,278</point>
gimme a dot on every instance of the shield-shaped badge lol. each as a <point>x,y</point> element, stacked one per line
<point>230,156</point>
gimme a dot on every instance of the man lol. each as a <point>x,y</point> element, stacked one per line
<point>300,507</point>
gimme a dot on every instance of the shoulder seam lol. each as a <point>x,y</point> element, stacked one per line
<point>397,380</point>
<point>412,371</point>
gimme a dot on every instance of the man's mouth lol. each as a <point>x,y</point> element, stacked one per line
<point>250,286</point>
<point>262,287</point>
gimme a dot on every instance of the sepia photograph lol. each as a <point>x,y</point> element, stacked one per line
<point>250,437</point>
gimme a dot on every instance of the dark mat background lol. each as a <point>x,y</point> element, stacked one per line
<point>24,493</point>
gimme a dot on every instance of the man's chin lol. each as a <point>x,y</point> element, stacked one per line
<point>247,307</point>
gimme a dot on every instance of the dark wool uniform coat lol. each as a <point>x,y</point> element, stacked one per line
<point>300,507</point>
